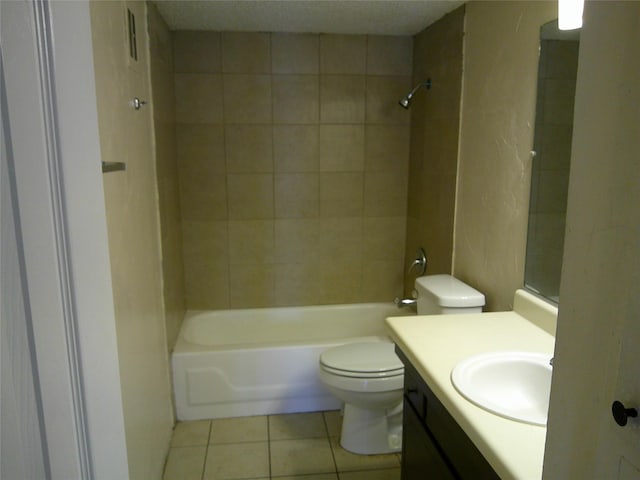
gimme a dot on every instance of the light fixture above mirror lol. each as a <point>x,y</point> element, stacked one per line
<point>570,14</point>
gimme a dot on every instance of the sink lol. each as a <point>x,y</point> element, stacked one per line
<point>515,385</point>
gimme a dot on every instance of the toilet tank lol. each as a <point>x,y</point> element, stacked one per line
<point>444,294</point>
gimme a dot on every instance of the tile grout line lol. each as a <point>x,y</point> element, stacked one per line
<point>206,450</point>
<point>269,445</point>
<point>333,456</point>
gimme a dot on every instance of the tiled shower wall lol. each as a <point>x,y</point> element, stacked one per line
<point>435,125</point>
<point>293,159</point>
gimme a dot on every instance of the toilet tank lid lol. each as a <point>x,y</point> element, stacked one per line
<point>449,291</point>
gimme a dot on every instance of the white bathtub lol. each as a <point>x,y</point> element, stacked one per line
<point>232,363</point>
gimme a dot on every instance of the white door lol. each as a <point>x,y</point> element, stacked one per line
<point>598,340</point>
<point>619,446</point>
<point>51,113</point>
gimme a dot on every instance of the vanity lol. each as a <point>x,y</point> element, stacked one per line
<point>444,434</point>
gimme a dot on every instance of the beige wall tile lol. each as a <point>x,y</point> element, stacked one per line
<point>205,242</point>
<point>164,119</point>
<point>343,54</point>
<point>246,52</point>
<point>386,148</point>
<point>383,95</point>
<point>295,99</point>
<point>250,196</point>
<point>382,279</point>
<point>268,158</point>
<point>385,194</point>
<point>296,148</point>
<point>340,282</point>
<point>341,194</point>
<point>341,148</point>
<point>384,238</point>
<point>340,239</point>
<point>296,241</point>
<point>434,145</point>
<point>251,242</point>
<point>247,98</point>
<point>295,53</point>
<point>197,52</point>
<point>389,55</point>
<point>203,197</point>
<point>252,285</point>
<point>206,286</point>
<point>198,98</point>
<point>297,284</point>
<point>342,98</point>
<point>200,149</point>
<point>296,195</point>
<point>249,148</point>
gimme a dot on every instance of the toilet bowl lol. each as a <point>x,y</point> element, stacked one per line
<point>368,378</point>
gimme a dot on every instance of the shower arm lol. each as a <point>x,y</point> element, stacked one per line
<point>426,84</point>
<point>406,101</point>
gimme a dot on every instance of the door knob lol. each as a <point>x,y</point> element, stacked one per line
<point>621,413</point>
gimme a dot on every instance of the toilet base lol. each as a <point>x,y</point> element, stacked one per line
<point>371,432</point>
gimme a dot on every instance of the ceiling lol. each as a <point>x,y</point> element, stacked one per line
<point>375,17</point>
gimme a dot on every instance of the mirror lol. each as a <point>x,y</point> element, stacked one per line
<point>557,69</point>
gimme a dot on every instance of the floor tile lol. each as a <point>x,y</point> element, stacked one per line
<point>347,461</point>
<point>239,429</point>
<point>385,474</point>
<point>237,460</point>
<point>333,419</point>
<point>298,457</point>
<point>296,425</point>
<point>185,463</point>
<point>190,434</point>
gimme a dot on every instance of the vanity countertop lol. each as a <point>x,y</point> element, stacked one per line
<point>436,343</point>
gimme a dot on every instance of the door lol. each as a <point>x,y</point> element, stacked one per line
<point>51,116</point>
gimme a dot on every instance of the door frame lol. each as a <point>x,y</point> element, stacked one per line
<point>48,60</point>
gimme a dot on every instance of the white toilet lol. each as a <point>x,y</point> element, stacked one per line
<point>368,377</point>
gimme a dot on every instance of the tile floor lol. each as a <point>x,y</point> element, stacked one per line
<point>298,446</point>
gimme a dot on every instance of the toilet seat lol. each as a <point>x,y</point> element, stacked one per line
<point>362,360</point>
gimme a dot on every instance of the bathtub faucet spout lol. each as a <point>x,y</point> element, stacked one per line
<point>405,302</point>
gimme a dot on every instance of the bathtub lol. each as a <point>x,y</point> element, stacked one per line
<point>232,363</point>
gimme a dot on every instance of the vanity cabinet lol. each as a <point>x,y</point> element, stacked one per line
<point>433,444</point>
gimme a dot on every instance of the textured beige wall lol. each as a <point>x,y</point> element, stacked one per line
<point>293,157</point>
<point>435,125</point>
<point>164,124</point>
<point>498,109</point>
<point>134,237</point>
<point>600,307</point>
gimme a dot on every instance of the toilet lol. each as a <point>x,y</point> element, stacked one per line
<point>368,376</point>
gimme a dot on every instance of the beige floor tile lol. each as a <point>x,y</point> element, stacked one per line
<point>333,420</point>
<point>189,434</point>
<point>296,425</point>
<point>299,457</point>
<point>385,474</point>
<point>237,430</point>
<point>237,460</point>
<point>185,463</point>
<point>347,461</point>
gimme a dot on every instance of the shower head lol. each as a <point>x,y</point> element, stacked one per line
<point>406,101</point>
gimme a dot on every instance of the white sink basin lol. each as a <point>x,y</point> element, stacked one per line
<point>515,385</point>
